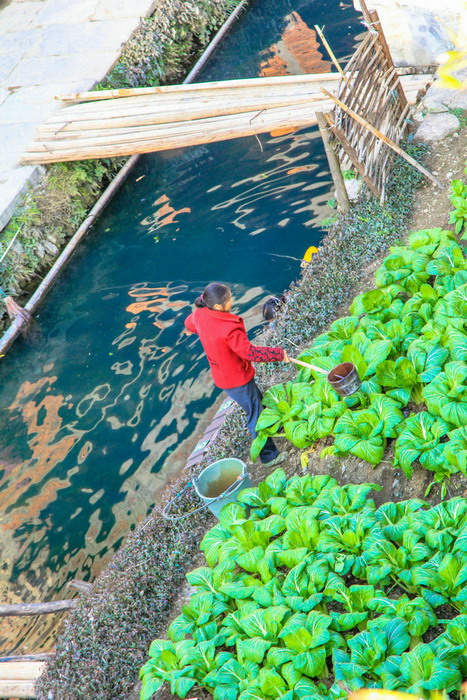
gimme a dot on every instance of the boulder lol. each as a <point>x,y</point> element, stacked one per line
<point>436,126</point>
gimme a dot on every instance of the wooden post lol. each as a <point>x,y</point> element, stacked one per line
<point>343,140</point>
<point>385,139</point>
<point>343,200</point>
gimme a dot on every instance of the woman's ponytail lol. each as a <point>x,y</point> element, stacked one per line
<point>214,293</point>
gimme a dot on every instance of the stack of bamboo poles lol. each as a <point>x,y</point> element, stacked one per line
<point>17,678</point>
<point>141,120</point>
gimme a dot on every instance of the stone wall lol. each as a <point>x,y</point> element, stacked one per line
<point>418,31</point>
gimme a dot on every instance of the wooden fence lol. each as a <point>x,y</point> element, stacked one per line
<point>371,112</point>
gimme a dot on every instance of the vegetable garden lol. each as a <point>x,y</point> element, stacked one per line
<point>316,592</point>
<point>408,341</point>
<point>310,590</point>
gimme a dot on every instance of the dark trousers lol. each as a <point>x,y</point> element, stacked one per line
<point>249,398</point>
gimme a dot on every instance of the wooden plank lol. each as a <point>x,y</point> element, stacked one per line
<point>17,689</point>
<point>21,670</point>
<point>334,165</point>
<point>36,608</point>
<point>387,141</point>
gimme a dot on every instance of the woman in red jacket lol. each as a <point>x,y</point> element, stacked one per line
<point>230,355</point>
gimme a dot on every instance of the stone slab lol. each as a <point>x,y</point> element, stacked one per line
<point>7,65</point>
<point>61,12</point>
<point>122,8</point>
<point>22,43</point>
<point>49,48</point>
<point>16,17</point>
<point>14,112</point>
<point>34,71</point>
<point>13,185</point>
<point>40,94</point>
<point>436,126</point>
<point>105,35</point>
<point>14,138</point>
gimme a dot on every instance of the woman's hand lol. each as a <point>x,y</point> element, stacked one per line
<point>286,357</point>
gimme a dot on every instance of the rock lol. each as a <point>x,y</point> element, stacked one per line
<point>50,247</point>
<point>433,104</point>
<point>436,126</point>
<point>447,96</point>
<point>353,187</point>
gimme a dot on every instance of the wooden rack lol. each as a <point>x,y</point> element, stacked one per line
<point>370,117</point>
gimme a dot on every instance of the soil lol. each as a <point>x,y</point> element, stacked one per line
<point>447,162</point>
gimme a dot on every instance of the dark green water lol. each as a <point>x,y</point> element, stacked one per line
<point>98,411</point>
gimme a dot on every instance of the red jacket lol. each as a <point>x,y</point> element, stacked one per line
<point>229,352</point>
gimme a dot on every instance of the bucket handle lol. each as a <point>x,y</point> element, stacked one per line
<point>166,511</point>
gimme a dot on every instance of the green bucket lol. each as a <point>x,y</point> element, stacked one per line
<point>221,482</point>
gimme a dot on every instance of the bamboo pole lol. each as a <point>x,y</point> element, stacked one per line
<point>184,100</point>
<point>351,153</point>
<point>36,608</point>
<point>27,657</point>
<point>21,670</point>
<point>343,200</point>
<point>197,87</point>
<point>17,689</point>
<point>385,139</point>
<point>170,136</point>
<point>101,121</point>
<point>329,50</point>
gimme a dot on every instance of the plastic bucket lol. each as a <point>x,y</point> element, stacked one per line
<point>221,482</point>
<point>344,379</point>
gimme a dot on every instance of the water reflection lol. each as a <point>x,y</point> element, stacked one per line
<point>94,418</point>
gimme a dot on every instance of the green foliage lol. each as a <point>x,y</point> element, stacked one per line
<point>458,198</point>
<point>408,342</point>
<point>298,599</point>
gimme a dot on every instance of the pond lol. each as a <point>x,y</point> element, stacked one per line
<point>106,399</point>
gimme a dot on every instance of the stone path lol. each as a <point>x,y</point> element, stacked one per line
<point>50,47</point>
